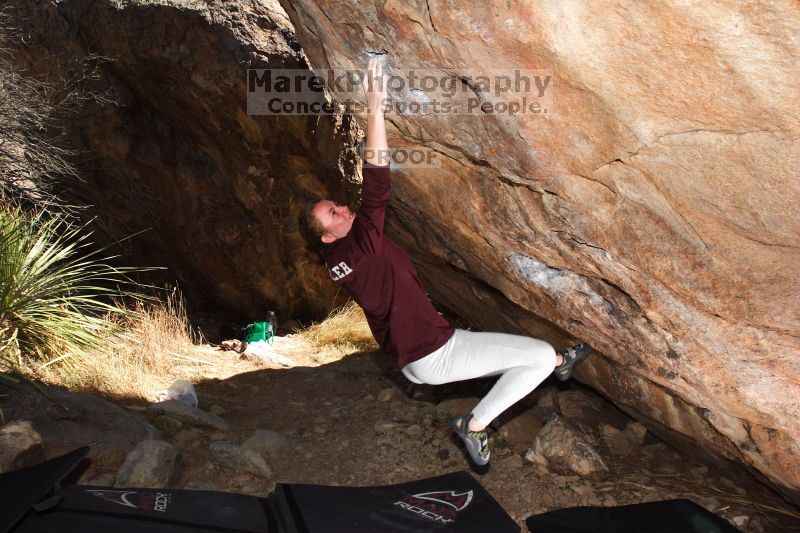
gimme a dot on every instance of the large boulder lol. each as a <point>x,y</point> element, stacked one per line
<point>651,211</point>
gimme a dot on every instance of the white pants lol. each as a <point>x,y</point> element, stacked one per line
<point>521,362</point>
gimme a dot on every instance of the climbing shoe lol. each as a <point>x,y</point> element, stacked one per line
<point>571,356</point>
<point>476,442</point>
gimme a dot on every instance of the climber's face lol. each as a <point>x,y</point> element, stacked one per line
<point>335,219</point>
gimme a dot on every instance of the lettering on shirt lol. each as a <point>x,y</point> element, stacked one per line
<point>339,271</point>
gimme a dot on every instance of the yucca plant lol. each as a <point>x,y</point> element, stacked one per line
<point>54,291</point>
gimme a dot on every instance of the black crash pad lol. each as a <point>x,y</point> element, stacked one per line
<point>669,516</point>
<point>448,503</point>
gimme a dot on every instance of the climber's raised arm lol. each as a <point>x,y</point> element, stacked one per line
<point>377,150</point>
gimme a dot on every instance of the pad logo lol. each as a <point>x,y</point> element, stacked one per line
<point>439,506</point>
<point>451,499</point>
<point>155,501</point>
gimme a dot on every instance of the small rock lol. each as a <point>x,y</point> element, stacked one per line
<point>383,426</point>
<point>386,394</point>
<point>593,500</point>
<point>502,451</point>
<point>188,414</point>
<point>635,432</point>
<point>185,437</point>
<point>20,446</point>
<point>514,461</point>
<point>240,459</point>
<point>741,521</point>
<point>105,479</point>
<point>564,480</point>
<point>201,485</point>
<point>265,441</point>
<point>709,502</point>
<point>456,406</point>
<point>339,413</point>
<point>582,489</point>
<point>217,409</point>
<point>218,436</point>
<point>564,451</point>
<point>167,425</point>
<point>610,501</point>
<point>320,430</point>
<point>617,442</point>
<point>238,480</point>
<point>414,430</point>
<point>152,464</point>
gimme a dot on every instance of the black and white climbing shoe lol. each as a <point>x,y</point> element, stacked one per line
<point>476,442</point>
<point>571,356</point>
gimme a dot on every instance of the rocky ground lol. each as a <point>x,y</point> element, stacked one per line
<point>357,421</point>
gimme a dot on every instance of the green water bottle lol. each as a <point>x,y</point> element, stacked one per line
<point>273,323</point>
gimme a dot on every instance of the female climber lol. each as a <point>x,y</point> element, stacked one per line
<point>379,276</point>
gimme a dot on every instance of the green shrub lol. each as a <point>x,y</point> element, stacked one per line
<point>54,292</point>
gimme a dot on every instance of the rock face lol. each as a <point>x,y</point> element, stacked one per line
<point>650,212</point>
<point>175,153</point>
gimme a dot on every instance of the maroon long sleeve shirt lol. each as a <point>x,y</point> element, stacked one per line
<point>378,274</point>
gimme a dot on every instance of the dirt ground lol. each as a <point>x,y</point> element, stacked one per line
<point>356,421</point>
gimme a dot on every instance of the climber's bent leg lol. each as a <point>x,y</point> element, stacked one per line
<point>521,362</point>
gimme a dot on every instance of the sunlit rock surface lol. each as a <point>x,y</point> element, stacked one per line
<point>652,211</point>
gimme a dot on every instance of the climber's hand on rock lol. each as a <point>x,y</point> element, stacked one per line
<point>375,86</point>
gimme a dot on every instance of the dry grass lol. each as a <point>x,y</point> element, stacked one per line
<point>345,331</point>
<point>145,355</point>
<point>156,346</point>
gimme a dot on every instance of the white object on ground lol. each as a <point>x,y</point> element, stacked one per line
<point>264,351</point>
<point>181,391</point>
